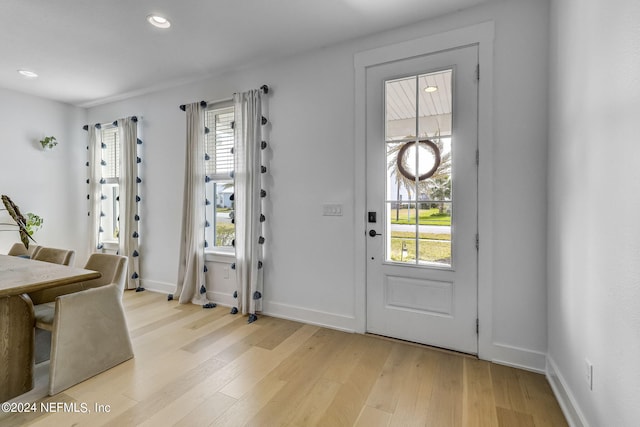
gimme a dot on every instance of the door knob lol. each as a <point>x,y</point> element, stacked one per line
<point>373,233</point>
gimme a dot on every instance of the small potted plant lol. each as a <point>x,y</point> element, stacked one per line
<point>48,142</point>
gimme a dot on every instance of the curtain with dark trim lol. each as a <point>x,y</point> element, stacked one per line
<point>94,180</point>
<point>248,195</point>
<point>191,286</point>
<point>129,198</point>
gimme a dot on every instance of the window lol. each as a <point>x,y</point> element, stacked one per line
<point>110,173</point>
<point>418,134</point>
<point>218,166</point>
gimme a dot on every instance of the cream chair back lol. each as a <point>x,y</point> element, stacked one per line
<point>53,255</point>
<point>18,249</point>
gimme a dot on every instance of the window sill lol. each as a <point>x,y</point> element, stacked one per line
<point>219,255</point>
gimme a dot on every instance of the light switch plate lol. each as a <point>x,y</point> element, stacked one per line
<point>332,209</point>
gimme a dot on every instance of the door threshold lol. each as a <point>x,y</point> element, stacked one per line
<point>425,346</point>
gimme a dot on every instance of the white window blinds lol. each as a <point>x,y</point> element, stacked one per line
<point>219,142</point>
<point>111,153</point>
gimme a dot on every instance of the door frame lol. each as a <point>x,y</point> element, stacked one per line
<point>483,36</point>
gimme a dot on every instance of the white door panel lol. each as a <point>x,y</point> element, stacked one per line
<point>422,187</point>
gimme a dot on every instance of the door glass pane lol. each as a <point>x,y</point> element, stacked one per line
<point>434,235</point>
<point>418,124</point>
<point>434,104</point>
<point>400,111</point>
<point>402,235</point>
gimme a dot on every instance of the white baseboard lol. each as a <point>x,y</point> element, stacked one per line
<point>563,394</point>
<point>221,298</point>
<point>520,358</point>
<point>306,315</point>
<point>162,287</point>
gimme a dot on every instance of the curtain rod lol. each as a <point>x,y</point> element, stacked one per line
<point>263,88</point>
<point>115,123</point>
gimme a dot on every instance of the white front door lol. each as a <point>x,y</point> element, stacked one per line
<point>422,199</point>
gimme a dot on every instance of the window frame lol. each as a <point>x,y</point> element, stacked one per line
<point>214,181</point>
<point>113,183</point>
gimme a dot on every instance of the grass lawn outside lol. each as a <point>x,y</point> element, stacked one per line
<point>426,217</point>
<point>430,250</point>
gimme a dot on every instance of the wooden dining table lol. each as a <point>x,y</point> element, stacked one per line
<point>18,277</point>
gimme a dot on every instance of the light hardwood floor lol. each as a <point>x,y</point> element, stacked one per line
<point>196,367</point>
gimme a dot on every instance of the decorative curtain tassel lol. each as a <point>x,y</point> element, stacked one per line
<point>263,145</point>
<point>235,294</point>
<point>252,318</point>
<point>203,290</point>
<point>257,295</point>
<point>210,305</point>
<point>135,254</point>
<point>233,266</point>
<point>134,275</point>
<point>263,169</point>
<point>137,217</point>
<point>262,218</point>
<point>139,141</point>
<point>138,160</point>
<point>261,240</point>
<point>170,297</point>
<point>234,310</point>
<point>138,180</point>
<point>135,235</point>
<point>263,193</point>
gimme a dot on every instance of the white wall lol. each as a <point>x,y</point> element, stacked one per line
<point>49,183</point>
<point>309,273</point>
<point>594,205</point>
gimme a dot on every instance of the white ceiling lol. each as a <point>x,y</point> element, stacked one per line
<point>90,52</point>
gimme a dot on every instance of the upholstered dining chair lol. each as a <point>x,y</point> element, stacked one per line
<point>56,256</point>
<point>88,327</point>
<point>18,249</point>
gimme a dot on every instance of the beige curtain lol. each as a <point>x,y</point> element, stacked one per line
<point>129,199</point>
<point>191,277</point>
<point>94,196</point>
<point>248,201</point>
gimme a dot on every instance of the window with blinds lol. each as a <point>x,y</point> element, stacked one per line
<point>218,165</point>
<point>110,153</point>
<point>218,142</point>
<point>110,189</point>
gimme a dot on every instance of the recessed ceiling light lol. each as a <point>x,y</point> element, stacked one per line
<point>28,74</point>
<point>158,21</point>
<point>431,89</point>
